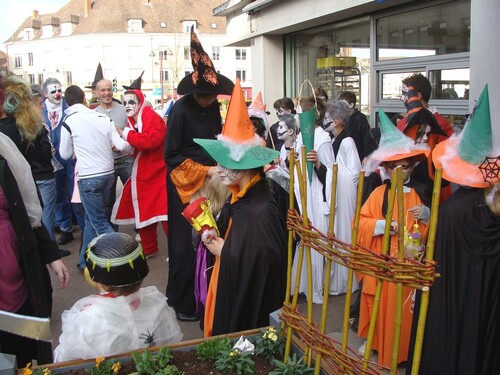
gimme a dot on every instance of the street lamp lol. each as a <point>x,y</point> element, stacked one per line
<point>162,55</point>
<point>152,55</point>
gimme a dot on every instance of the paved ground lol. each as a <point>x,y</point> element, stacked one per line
<point>78,288</point>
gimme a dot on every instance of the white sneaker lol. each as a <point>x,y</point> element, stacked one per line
<point>138,238</point>
<point>362,348</point>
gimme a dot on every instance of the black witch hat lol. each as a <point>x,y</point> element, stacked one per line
<point>204,78</point>
<point>136,85</point>
<point>418,115</point>
<point>98,76</point>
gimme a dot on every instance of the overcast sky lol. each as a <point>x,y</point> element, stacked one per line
<point>15,12</point>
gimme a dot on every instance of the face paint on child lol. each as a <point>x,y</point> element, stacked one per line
<point>228,176</point>
<point>328,123</point>
<point>282,131</point>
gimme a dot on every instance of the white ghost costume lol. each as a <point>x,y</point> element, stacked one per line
<point>103,325</point>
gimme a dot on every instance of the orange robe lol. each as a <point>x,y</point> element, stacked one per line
<point>384,331</point>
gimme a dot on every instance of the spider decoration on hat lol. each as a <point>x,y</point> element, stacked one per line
<point>490,169</point>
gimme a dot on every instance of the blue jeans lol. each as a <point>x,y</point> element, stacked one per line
<point>47,189</point>
<point>65,182</point>
<point>97,199</point>
<point>123,168</point>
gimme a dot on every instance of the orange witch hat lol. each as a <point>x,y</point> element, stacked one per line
<point>257,103</point>
<point>258,110</point>
<point>238,128</point>
<point>238,147</point>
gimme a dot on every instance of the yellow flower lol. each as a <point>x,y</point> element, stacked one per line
<point>47,371</point>
<point>274,337</point>
<point>27,370</point>
<point>116,367</point>
<point>231,354</point>
<point>98,361</point>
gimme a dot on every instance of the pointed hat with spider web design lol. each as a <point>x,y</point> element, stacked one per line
<point>470,159</point>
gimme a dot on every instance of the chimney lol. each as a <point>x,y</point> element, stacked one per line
<point>87,7</point>
<point>34,14</point>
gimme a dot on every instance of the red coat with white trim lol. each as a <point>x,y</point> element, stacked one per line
<point>144,197</point>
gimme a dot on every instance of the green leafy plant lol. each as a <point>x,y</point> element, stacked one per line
<point>147,363</point>
<point>291,367</point>
<point>209,350</point>
<point>234,360</point>
<point>270,345</point>
<point>103,367</point>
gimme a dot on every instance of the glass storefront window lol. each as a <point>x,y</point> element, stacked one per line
<point>336,58</point>
<point>451,84</point>
<point>437,30</point>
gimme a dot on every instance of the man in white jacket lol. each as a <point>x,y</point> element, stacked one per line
<point>90,136</point>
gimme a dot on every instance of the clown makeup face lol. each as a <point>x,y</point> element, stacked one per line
<point>131,103</point>
<point>423,134</point>
<point>328,122</point>
<point>54,93</point>
<point>404,95</point>
<point>282,131</point>
<point>282,111</point>
<point>229,176</point>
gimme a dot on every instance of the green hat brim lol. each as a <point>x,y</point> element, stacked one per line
<point>254,157</point>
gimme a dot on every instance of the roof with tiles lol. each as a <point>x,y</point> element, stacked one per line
<point>158,16</point>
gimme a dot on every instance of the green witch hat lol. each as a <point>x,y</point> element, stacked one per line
<point>307,121</point>
<point>469,159</point>
<point>393,145</point>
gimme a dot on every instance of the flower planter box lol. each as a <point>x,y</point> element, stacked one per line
<point>75,365</point>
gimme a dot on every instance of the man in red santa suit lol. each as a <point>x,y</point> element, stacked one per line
<point>143,201</point>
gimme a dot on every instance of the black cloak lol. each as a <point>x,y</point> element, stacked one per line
<point>463,322</point>
<point>187,120</point>
<point>252,274</point>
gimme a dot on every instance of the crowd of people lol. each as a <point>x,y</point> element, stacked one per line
<point>61,158</point>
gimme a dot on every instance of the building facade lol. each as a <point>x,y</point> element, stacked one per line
<point>369,46</point>
<point>127,38</point>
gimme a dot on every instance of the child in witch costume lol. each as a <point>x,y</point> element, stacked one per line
<point>143,201</point>
<point>249,277</point>
<point>123,316</point>
<point>395,150</point>
<point>202,214</point>
<point>463,325</point>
